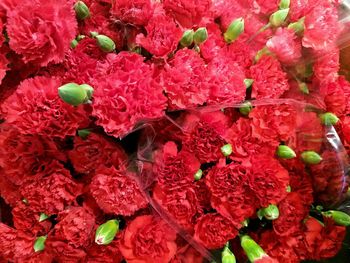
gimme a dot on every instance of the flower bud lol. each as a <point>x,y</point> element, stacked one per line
<point>74,43</point>
<point>84,133</point>
<point>262,52</point>
<point>234,30</point>
<point>43,217</point>
<point>39,244</point>
<point>198,175</point>
<point>227,256</point>
<point>340,218</point>
<point>246,108</point>
<point>88,89</point>
<point>311,157</point>
<point>248,83</point>
<point>106,232</point>
<point>329,119</point>
<point>245,223</point>
<point>284,152</point>
<point>298,27</point>
<point>279,17</point>
<point>270,213</point>
<point>105,43</point>
<point>200,36</point>
<point>187,38</point>
<point>284,4</point>
<point>304,88</point>
<point>288,189</point>
<point>253,251</point>
<point>80,37</point>
<point>81,10</point>
<point>94,34</point>
<point>226,150</point>
<point>72,94</point>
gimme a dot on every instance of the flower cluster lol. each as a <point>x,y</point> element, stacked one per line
<point>159,131</point>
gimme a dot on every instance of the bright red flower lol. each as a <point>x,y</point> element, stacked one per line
<point>163,36</point>
<point>104,254</point>
<point>326,66</point>
<point>136,12</point>
<point>38,32</point>
<point>335,99</point>
<point>188,13</point>
<point>96,150</point>
<point>214,230</point>
<point>300,8</point>
<point>267,7</point>
<point>270,81</point>
<point>183,79</point>
<point>116,192</point>
<point>36,108</point>
<point>215,42</point>
<point>148,239</point>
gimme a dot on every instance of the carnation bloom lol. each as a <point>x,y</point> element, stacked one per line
<point>215,42</point>
<point>326,66</point>
<point>116,192</point>
<point>127,96</point>
<point>7,242</point>
<point>41,30</point>
<point>148,239</point>
<point>3,63</point>
<point>285,45</point>
<point>136,12</point>
<point>104,254</point>
<point>36,108</point>
<point>163,36</point>
<point>270,81</point>
<point>188,13</point>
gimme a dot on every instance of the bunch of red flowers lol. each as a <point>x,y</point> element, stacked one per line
<point>235,107</point>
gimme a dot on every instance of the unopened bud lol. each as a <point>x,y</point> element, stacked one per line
<point>235,29</point>
<point>284,152</point>
<point>279,17</point>
<point>226,150</point>
<point>270,213</point>
<point>81,10</point>
<point>262,52</point>
<point>88,89</point>
<point>253,251</point>
<point>43,217</point>
<point>246,108</point>
<point>304,88</point>
<point>74,43</point>
<point>248,83</point>
<point>340,218</point>
<point>72,94</point>
<point>84,133</point>
<point>106,232</point>
<point>329,119</point>
<point>105,43</point>
<point>39,244</point>
<point>227,256</point>
<point>187,38</point>
<point>311,157</point>
<point>298,27</point>
<point>198,175</point>
<point>200,36</point>
<point>284,4</point>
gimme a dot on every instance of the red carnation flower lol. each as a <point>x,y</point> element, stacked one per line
<point>267,7</point>
<point>3,64</point>
<point>175,169</point>
<point>327,66</point>
<point>104,254</point>
<point>148,239</point>
<point>7,241</point>
<point>214,230</point>
<point>268,180</point>
<point>285,45</point>
<point>163,35</point>
<point>270,81</point>
<point>116,192</point>
<point>32,107</point>
<point>230,195</point>
<point>181,205</point>
<point>292,213</point>
<point>187,254</point>
<point>128,96</point>
<point>321,27</point>
<point>274,122</point>
<point>300,8</point>
<point>136,12</point>
<point>215,42</point>
<point>8,190</point>
<point>335,99</point>
<point>188,13</point>
<point>71,235</point>
<point>96,150</point>
<point>203,195</point>
<point>38,32</point>
<point>52,192</point>
<point>184,80</point>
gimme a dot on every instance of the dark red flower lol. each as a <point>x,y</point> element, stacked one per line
<point>187,254</point>
<point>104,254</point>
<point>163,35</point>
<point>116,192</point>
<point>188,13</point>
<point>71,235</point>
<point>203,195</point>
<point>136,12</point>
<point>38,32</point>
<point>3,64</point>
<point>183,79</point>
<point>95,150</point>
<point>52,191</point>
<point>270,81</point>
<point>36,108</point>
<point>8,190</point>
<point>148,239</point>
<point>127,96</point>
<point>7,241</point>
<point>214,230</point>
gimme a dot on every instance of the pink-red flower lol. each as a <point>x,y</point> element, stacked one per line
<point>136,12</point>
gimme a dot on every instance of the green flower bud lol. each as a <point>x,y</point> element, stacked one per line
<point>311,157</point>
<point>248,83</point>
<point>288,189</point>
<point>298,27</point>
<point>88,89</point>
<point>340,218</point>
<point>81,10</point>
<point>246,108</point>
<point>245,223</point>
<point>304,88</point>
<point>105,43</point>
<point>262,52</point>
<point>72,94</point>
<point>84,133</point>
<point>187,38</point>
<point>279,17</point>
<point>94,34</point>
<point>226,150</point>
<point>253,251</point>
<point>319,207</point>
<point>284,4</point>
<point>198,175</point>
<point>74,43</point>
<point>80,37</point>
<point>200,36</point>
<point>235,29</point>
<point>227,256</point>
<point>39,244</point>
<point>284,152</point>
<point>270,213</point>
<point>43,217</point>
<point>329,119</point>
<point>106,232</point>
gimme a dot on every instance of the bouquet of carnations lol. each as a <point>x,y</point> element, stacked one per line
<point>156,131</point>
